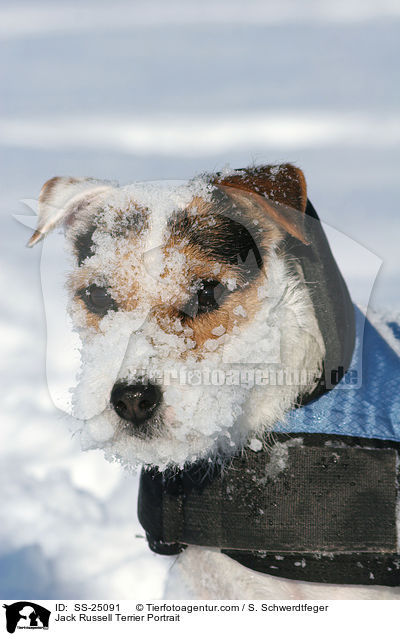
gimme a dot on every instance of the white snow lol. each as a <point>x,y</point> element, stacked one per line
<point>66,18</point>
<point>218,331</point>
<point>204,136</point>
<point>239,310</point>
<point>278,459</point>
<point>255,445</point>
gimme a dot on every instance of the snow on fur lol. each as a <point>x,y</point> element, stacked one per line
<point>197,420</point>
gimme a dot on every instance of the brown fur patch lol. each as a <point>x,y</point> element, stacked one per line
<point>280,191</point>
<point>172,290</point>
<point>282,183</point>
<point>47,189</point>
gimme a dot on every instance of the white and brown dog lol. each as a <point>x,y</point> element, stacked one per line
<point>181,292</point>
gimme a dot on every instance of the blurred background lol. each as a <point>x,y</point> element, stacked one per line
<point>137,90</point>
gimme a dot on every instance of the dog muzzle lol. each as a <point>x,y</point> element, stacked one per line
<point>321,501</point>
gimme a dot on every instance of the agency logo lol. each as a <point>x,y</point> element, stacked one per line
<point>26,615</point>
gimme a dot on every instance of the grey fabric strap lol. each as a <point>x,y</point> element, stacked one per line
<point>326,499</point>
<point>313,495</point>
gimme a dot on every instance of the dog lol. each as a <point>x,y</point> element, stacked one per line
<point>186,297</point>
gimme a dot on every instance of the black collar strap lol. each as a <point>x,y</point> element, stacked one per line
<point>330,297</point>
<point>312,507</point>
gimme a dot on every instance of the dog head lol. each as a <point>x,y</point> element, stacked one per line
<point>197,328</point>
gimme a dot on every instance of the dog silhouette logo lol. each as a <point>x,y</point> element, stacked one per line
<point>26,615</point>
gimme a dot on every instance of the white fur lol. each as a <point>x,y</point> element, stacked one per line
<point>201,573</point>
<point>205,420</point>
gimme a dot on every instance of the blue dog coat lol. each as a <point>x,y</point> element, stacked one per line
<point>366,401</point>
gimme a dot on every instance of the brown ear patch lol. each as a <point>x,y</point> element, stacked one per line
<point>280,193</point>
<point>51,184</point>
<point>287,218</point>
<point>282,183</point>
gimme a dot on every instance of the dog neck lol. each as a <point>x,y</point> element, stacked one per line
<point>285,509</point>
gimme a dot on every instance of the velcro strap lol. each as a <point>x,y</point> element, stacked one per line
<point>331,498</point>
<point>308,498</point>
<point>313,494</point>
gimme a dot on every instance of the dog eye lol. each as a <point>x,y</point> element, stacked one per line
<point>98,300</point>
<point>208,297</point>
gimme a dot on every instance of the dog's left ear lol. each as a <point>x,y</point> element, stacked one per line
<point>60,200</point>
<point>279,191</point>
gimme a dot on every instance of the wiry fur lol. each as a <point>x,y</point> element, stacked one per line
<point>200,573</point>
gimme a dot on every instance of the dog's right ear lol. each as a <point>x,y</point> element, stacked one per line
<point>61,198</point>
<point>278,191</point>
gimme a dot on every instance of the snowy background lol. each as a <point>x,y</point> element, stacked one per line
<point>133,90</point>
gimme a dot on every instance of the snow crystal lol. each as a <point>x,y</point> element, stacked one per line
<point>274,171</point>
<point>278,459</point>
<point>240,311</point>
<point>231,283</point>
<point>218,331</point>
<point>255,445</point>
<point>211,345</point>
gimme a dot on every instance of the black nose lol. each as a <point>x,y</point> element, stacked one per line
<point>135,403</point>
